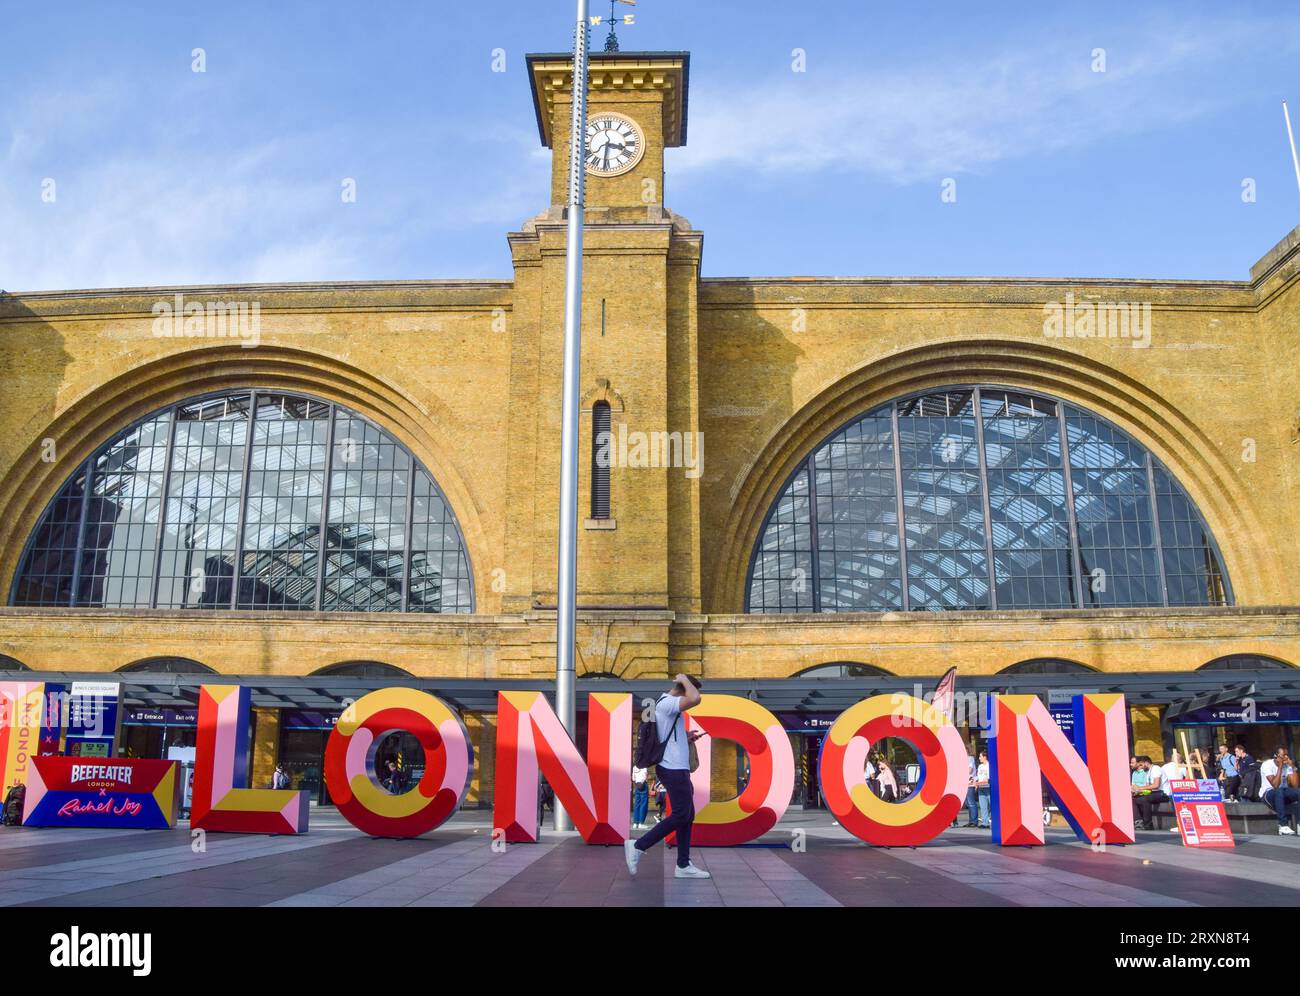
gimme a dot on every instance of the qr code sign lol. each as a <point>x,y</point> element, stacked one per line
<point>1208,816</point>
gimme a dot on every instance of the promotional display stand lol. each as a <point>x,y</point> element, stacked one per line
<point>1198,808</point>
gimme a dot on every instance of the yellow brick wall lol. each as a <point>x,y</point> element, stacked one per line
<point>266,747</point>
<point>482,732</point>
<point>467,374</point>
<point>1147,737</point>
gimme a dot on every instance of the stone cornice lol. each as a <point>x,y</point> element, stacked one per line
<point>371,295</point>
<point>551,75</point>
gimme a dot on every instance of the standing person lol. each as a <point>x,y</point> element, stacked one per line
<point>279,780</point>
<point>972,793</point>
<point>675,773</point>
<point>390,779</point>
<point>640,797</point>
<point>982,788</point>
<point>1276,792</point>
<point>872,775</point>
<point>661,801</point>
<point>1227,764</point>
<point>888,782</point>
<point>545,800</point>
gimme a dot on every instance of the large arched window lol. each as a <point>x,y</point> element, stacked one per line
<point>1008,501</point>
<point>323,511</point>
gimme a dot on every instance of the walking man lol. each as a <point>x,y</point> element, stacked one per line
<point>674,773</point>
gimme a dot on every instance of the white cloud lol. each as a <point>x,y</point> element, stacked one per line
<point>961,114</point>
<point>180,201</point>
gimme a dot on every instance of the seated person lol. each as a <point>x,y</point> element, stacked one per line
<point>1276,792</point>
<point>1147,796</point>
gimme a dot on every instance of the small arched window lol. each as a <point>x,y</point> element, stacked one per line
<point>1048,665</point>
<point>167,665</point>
<point>12,664</point>
<point>600,459</point>
<point>1245,662</point>
<point>843,669</point>
<point>364,669</point>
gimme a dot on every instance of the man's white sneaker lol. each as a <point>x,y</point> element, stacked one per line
<point>632,854</point>
<point>1286,831</point>
<point>690,871</point>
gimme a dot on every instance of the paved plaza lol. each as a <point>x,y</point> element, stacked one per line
<point>456,865</point>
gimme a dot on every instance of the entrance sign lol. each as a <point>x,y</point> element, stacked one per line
<point>1089,779</point>
<point>771,771</point>
<point>1198,807</point>
<point>596,793</point>
<point>119,793</point>
<point>22,707</point>
<point>222,800</point>
<point>925,813</point>
<point>350,758</point>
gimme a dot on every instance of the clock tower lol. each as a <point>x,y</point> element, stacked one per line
<point>636,108</point>
<point>638,556</point>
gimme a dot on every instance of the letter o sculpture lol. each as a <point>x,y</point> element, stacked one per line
<point>924,814</point>
<point>350,763</point>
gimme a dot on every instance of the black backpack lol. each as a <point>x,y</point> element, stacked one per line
<point>649,748</point>
<point>1250,780</point>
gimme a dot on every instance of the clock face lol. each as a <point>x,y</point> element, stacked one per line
<point>614,144</point>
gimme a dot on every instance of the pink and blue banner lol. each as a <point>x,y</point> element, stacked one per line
<point>117,793</point>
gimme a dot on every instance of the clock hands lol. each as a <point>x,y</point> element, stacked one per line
<point>605,147</point>
<point>609,146</point>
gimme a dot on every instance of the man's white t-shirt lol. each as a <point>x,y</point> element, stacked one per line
<point>1169,772</point>
<point>668,714</point>
<point>638,776</point>
<point>1267,770</point>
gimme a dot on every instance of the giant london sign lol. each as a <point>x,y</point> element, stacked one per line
<point>1087,774</point>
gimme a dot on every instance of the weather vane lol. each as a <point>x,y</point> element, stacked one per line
<point>611,42</point>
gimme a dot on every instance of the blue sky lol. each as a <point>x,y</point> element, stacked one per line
<point>166,176</point>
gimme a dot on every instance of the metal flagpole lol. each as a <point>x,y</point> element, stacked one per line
<point>566,616</point>
<point>1294,161</point>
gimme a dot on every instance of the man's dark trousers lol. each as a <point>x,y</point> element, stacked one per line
<point>1144,806</point>
<point>681,799</point>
